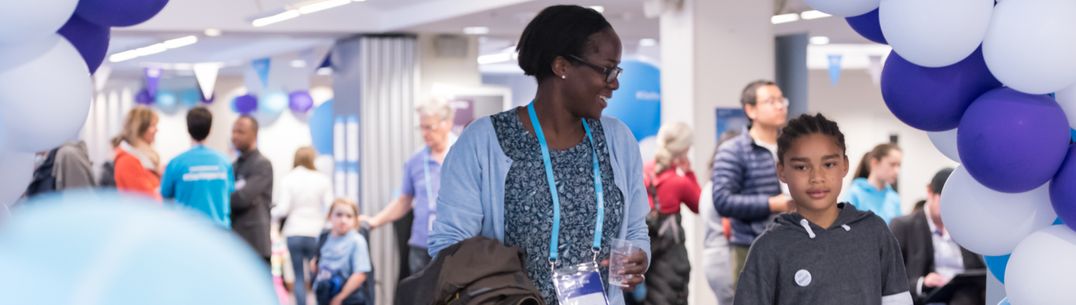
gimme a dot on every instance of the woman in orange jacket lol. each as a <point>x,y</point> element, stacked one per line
<point>137,164</point>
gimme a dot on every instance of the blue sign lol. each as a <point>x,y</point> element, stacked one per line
<point>638,101</point>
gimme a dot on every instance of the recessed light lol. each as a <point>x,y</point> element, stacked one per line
<point>819,40</point>
<point>211,32</point>
<point>648,42</point>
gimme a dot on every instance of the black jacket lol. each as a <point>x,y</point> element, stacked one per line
<point>917,247</point>
<point>478,270</point>
<point>252,200</point>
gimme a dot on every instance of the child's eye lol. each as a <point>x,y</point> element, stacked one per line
<point>799,167</point>
<point>831,165</point>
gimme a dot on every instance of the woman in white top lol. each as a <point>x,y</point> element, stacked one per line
<point>305,199</point>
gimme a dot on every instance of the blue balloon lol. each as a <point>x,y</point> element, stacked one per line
<point>190,98</point>
<point>129,250</point>
<point>638,101</point>
<point>867,25</point>
<point>1058,221</point>
<point>934,99</point>
<point>997,265</point>
<point>167,101</point>
<point>274,103</point>
<point>1013,142</point>
<point>90,39</point>
<point>321,128</point>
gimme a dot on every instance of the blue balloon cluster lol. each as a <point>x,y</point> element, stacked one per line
<point>89,30</point>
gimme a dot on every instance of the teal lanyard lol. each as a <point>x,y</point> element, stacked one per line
<point>554,237</point>
<point>430,201</point>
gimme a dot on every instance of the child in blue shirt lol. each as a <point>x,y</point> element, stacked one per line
<point>343,259</point>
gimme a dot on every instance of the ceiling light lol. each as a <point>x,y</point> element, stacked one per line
<point>299,63</point>
<point>476,30</point>
<point>648,42</point>
<point>321,6</point>
<point>812,14</point>
<point>784,18</point>
<point>819,40</point>
<point>599,8</point>
<point>153,49</point>
<point>282,16</point>
<point>325,71</point>
<point>212,32</point>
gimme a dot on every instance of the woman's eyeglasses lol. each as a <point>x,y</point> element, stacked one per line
<point>611,74</point>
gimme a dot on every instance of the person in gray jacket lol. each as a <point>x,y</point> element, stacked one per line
<point>826,252</point>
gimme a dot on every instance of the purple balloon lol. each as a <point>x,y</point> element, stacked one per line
<point>300,101</point>
<point>144,97</point>
<point>934,99</point>
<point>867,25</point>
<point>1012,141</point>
<point>245,104</point>
<point>1063,190</point>
<point>90,39</point>
<point>111,13</point>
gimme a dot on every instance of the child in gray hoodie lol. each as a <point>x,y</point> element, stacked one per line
<point>826,252</point>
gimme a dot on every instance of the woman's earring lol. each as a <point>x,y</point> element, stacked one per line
<point>563,77</point>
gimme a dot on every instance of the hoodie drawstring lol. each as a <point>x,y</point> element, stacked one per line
<point>846,228</point>
<point>807,225</point>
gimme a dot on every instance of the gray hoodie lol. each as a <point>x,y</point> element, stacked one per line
<point>856,261</point>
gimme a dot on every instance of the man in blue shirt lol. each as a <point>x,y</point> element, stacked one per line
<point>201,178</point>
<point>422,181</point>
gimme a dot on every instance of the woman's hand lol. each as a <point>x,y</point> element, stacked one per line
<point>634,269</point>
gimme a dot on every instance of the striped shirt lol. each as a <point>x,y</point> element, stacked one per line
<point>744,178</point>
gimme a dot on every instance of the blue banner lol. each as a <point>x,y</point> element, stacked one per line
<point>834,68</point>
<point>261,67</point>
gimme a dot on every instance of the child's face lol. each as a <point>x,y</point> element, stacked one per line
<point>814,168</point>
<point>342,219</point>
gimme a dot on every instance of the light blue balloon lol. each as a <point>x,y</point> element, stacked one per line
<point>166,99</point>
<point>108,248</point>
<point>275,103</point>
<point>638,101</point>
<point>190,98</point>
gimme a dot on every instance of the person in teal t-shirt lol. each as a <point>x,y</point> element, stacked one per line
<point>874,188</point>
<point>201,178</point>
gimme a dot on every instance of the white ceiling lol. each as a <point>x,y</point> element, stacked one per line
<point>242,42</point>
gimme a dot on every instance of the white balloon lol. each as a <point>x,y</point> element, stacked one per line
<point>945,142</point>
<point>22,20</point>
<point>989,222</point>
<point>844,8</point>
<point>18,170</point>
<point>44,99</point>
<point>1067,99</point>
<point>1041,268</point>
<point>1030,45</point>
<point>933,33</point>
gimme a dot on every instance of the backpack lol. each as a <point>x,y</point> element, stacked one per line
<point>43,181</point>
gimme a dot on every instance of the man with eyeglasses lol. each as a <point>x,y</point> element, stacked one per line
<point>745,184</point>
<point>422,181</point>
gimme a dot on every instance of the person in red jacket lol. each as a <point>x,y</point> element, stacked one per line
<point>137,164</point>
<point>670,182</point>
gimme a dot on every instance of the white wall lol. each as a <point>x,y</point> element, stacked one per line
<point>855,102</point>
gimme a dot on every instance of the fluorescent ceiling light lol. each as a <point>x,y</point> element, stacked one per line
<point>153,49</point>
<point>819,40</point>
<point>648,42</point>
<point>813,14</point>
<point>321,6</point>
<point>181,42</point>
<point>476,30</point>
<point>299,63</point>
<point>279,17</point>
<point>599,8</point>
<point>212,32</point>
<point>784,18</point>
<point>325,71</point>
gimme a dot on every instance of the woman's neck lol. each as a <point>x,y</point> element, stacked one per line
<point>562,129</point>
<point>876,182</point>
